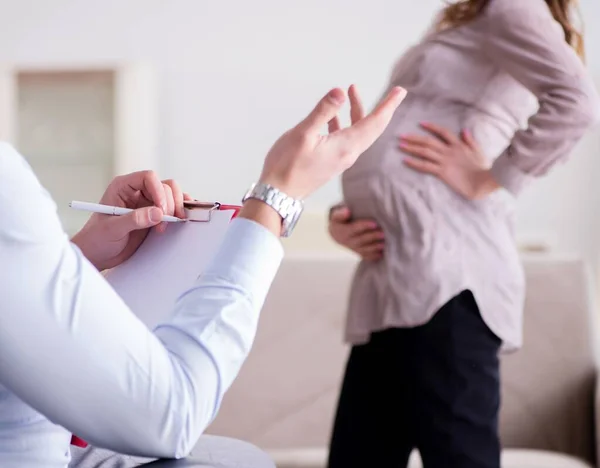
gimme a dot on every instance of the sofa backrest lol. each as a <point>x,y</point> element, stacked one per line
<point>286,393</point>
<point>548,386</point>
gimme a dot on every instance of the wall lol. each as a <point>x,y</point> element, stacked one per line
<point>234,75</point>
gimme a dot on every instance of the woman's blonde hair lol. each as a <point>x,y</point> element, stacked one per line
<point>463,11</point>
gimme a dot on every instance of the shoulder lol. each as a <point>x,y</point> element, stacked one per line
<point>24,203</point>
<point>8,157</point>
<point>13,167</point>
<point>521,18</point>
<point>16,176</point>
<point>516,10</point>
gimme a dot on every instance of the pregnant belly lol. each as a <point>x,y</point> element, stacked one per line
<point>385,158</point>
<point>405,212</point>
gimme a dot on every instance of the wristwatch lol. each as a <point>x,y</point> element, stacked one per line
<point>287,207</point>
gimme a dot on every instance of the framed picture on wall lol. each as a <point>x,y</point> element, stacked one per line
<point>80,126</point>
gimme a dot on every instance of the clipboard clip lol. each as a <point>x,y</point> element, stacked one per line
<point>201,212</point>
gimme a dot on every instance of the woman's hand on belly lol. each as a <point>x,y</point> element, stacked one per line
<point>458,161</point>
<point>362,236</point>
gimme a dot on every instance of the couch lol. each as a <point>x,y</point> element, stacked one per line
<point>284,398</point>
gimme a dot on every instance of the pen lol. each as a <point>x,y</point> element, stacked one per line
<point>114,210</point>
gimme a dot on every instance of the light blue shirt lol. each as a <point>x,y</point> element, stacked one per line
<point>73,357</point>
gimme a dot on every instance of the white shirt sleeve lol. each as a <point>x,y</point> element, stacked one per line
<point>71,349</point>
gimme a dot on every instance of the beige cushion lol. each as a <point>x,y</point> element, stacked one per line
<point>317,458</point>
<point>548,386</point>
<point>313,458</point>
<point>540,459</point>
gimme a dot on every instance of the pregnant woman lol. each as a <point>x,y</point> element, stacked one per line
<point>497,95</point>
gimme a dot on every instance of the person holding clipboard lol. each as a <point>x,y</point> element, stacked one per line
<point>72,358</point>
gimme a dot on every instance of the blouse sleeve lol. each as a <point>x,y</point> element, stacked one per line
<point>524,40</point>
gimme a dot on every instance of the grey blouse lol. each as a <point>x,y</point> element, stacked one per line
<point>513,81</point>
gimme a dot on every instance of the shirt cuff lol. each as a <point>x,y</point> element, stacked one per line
<point>508,175</point>
<point>249,257</point>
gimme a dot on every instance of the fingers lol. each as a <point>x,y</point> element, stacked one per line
<point>368,244</point>
<point>423,165</point>
<point>302,160</point>
<point>325,111</point>
<point>334,125</point>
<point>468,139</point>
<point>142,218</point>
<point>357,138</point>
<point>143,191</point>
<point>425,152</point>
<point>151,187</point>
<point>169,200</point>
<point>356,111</point>
<point>170,203</point>
<point>361,227</point>
<point>356,108</point>
<point>366,239</point>
<point>134,190</point>
<point>359,236</point>
<point>178,197</point>
<point>347,233</point>
<point>372,253</point>
<point>340,214</point>
<point>441,132</point>
<point>422,140</point>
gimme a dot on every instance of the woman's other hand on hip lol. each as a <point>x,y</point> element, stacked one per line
<point>456,160</point>
<point>362,236</point>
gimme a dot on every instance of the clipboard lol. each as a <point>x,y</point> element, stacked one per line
<point>168,264</point>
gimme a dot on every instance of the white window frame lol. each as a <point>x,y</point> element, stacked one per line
<point>136,111</point>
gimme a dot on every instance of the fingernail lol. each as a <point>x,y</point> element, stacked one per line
<point>155,215</point>
<point>373,225</point>
<point>381,235</point>
<point>336,95</point>
<point>398,90</point>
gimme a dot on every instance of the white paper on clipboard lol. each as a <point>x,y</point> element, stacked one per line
<point>166,265</point>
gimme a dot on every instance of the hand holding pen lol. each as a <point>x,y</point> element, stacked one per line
<point>135,202</point>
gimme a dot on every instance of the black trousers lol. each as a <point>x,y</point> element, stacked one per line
<point>435,388</point>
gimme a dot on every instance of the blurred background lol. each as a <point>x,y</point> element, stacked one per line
<point>199,91</point>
